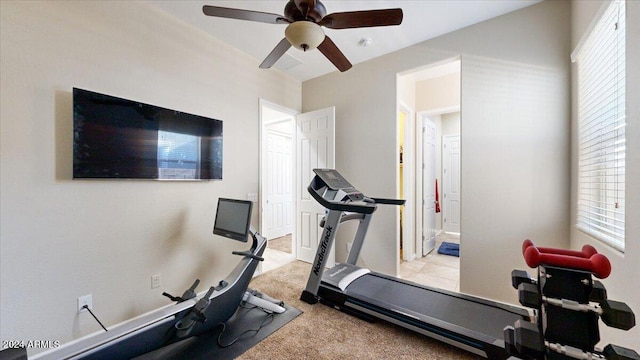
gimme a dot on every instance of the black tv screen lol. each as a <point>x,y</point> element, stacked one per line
<point>115,138</point>
<point>233,219</point>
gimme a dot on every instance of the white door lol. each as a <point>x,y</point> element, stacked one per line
<point>278,209</point>
<point>428,186</point>
<point>315,148</point>
<point>451,183</point>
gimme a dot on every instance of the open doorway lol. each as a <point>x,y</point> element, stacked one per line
<point>277,207</point>
<point>291,146</point>
<point>434,93</point>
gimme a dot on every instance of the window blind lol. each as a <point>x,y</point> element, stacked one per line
<point>601,128</point>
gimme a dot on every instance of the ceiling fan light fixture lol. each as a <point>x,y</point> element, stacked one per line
<point>304,35</point>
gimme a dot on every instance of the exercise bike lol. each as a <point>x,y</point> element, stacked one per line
<point>189,316</point>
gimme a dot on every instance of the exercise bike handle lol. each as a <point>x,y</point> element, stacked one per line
<point>190,293</point>
<point>588,259</point>
<point>248,254</point>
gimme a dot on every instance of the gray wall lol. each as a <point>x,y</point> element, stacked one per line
<point>61,239</point>
<point>624,282</point>
<point>515,139</point>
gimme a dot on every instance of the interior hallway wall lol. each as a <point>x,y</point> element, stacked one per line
<point>435,95</point>
<point>442,92</point>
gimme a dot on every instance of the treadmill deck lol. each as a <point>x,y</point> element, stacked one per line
<point>464,319</point>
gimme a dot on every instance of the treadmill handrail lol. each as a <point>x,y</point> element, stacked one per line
<point>389,201</point>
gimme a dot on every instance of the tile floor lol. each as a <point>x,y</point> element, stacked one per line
<point>276,258</point>
<point>437,270</point>
<point>441,271</point>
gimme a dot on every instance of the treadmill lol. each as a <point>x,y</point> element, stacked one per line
<point>470,323</point>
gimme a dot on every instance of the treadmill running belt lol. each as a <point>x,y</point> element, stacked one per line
<point>484,317</point>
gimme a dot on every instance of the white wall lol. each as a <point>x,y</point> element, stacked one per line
<point>442,92</point>
<point>407,91</point>
<point>624,282</point>
<point>61,239</point>
<point>515,139</point>
<point>451,123</point>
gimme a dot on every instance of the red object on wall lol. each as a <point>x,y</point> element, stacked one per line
<point>437,198</point>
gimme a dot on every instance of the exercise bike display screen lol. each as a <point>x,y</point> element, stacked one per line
<point>233,219</point>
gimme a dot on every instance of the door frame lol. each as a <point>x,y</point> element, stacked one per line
<point>412,246</point>
<point>264,107</point>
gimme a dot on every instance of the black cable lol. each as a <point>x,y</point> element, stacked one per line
<point>94,316</point>
<point>263,324</point>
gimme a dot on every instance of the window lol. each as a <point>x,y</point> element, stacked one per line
<point>600,60</point>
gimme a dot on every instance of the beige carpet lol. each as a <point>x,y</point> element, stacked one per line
<point>324,333</point>
<point>281,244</point>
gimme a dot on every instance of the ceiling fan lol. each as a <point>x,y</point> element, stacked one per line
<point>304,19</point>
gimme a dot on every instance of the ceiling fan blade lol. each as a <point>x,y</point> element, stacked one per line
<point>241,14</point>
<point>276,54</point>
<point>366,18</point>
<point>331,51</point>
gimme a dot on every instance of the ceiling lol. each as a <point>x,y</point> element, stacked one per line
<point>423,20</point>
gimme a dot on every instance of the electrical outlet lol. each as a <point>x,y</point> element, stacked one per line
<point>155,281</point>
<point>85,300</point>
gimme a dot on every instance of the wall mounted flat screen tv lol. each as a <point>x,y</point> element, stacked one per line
<point>115,138</point>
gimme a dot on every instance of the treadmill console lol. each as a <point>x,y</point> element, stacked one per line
<point>334,192</point>
<point>334,181</point>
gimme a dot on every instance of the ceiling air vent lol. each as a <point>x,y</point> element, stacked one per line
<point>287,62</point>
